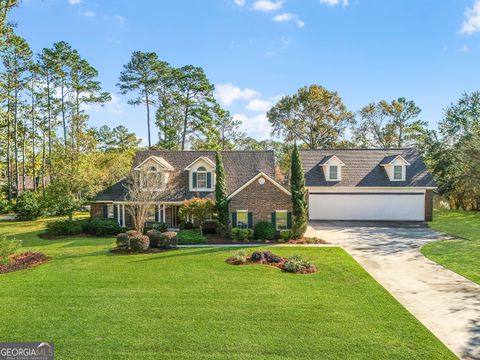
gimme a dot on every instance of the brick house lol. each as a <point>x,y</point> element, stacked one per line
<point>254,194</point>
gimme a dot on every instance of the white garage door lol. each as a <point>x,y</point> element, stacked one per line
<point>367,206</point>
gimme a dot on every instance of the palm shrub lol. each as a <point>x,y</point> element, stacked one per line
<point>221,196</point>
<point>299,195</point>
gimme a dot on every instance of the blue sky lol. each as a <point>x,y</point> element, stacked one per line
<point>255,51</point>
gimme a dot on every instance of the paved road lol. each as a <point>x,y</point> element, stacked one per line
<point>445,302</point>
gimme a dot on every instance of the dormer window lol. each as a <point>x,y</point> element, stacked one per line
<point>201,174</point>
<point>152,179</point>
<point>332,168</point>
<point>396,167</point>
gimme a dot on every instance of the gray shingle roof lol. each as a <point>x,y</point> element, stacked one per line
<point>362,168</point>
<point>240,166</point>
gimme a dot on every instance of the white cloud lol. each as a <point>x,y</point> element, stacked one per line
<point>472,19</point>
<point>114,106</point>
<point>239,2</point>
<point>286,17</point>
<point>119,19</point>
<point>267,5</point>
<point>258,105</point>
<point>465,48</point>
<point>334,2</point>
<point>88,13</point>
<point>74,2</point>
<point>228,93</point>
<point>257,127</point>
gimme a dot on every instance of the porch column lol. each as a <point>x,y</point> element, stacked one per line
<point>123,214</point>
<point>164,213</point>
<point>119,215</point>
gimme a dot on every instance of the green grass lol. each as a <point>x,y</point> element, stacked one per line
<point>191,237</point>
<point>190,304</point>
<point>461,256</point>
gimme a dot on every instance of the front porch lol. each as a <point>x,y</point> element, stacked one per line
<point>162,212</point>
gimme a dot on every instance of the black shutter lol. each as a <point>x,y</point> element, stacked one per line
<point>274,219</point>
<point>105,211</point>
<point>289,220</point>
<point>157,217</point>
<point>250,220</point>
<point>115,211</point>
<point>234,219</point>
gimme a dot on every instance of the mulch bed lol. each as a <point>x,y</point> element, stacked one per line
<point>267,258</point>
<point>307,241</point>
<point>22,261</point>
<point>118,251</point>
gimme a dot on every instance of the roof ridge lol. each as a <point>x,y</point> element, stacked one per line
<point>377,149</point>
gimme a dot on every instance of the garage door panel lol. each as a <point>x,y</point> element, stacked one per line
<point>367,206</point>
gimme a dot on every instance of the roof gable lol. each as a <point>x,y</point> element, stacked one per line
<point>201,158</point>
<point>158,160</point>
<point>259,176</point>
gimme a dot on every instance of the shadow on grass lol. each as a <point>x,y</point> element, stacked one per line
<point>186,252</point>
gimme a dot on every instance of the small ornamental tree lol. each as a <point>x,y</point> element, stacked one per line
<point>299,196</point>
<point>197,209</point>
<point>221,200</point>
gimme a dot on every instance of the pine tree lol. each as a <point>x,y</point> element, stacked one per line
<point>299,199</point>
<point>221,192</point>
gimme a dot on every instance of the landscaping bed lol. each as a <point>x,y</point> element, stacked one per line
<point>23,261</point>
<point>294,264</point>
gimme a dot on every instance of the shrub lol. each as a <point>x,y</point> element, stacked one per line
<point>264,231</point>
<point>139,243</point>
<point>238,257</point>
<point>131,232</point>
<point>102,227</point>
<point>271,258</point>
<point>170,237</point>
<point>156,225</point>
<point>239,234</point>
<point>187,225</point>
<point>190,237</point>
<point>123,241</point>
<point>210,226</point>
<point>5,205</point>
<point>7,248</point>
<point>66,227</point>
<point>297,264</point>
<point>156,238</point>
<point>28,206</point>
<point>256,256</point>
<point>286,234</point>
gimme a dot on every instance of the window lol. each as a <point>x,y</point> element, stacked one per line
<point>202,178</point>
<point>152,179</point>
<point>333,172</point>
<point>398,172</point>
<point>281,220</point>
<point>150,214</point>
<point>110,211</point>
<point>242,219</point>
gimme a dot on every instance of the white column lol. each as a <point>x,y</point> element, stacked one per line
<point>118,214</point>
<point>164,213</point>
<point>123,215</point>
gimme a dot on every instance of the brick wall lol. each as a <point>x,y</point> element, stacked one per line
<point>428,205</point>
<point>261,200</point>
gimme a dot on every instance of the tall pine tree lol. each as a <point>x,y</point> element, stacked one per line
<point>221,192</point>
<point>299,199</point>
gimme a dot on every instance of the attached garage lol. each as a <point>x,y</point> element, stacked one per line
<point>380,206</point>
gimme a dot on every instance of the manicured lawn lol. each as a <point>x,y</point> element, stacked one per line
<point>461,256</point>
<point>190,304</point>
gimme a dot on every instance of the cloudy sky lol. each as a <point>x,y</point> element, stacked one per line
<point>255,51</point>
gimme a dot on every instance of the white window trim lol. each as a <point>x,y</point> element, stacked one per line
<point>206,189</point>
<point>339,173</point>
<point>403,177</point>
<point>242,211</point>
<point>112,207</point>
<point>276,219</point>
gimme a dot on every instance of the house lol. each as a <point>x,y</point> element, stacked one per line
<point>254,194</point>
<point>368,184</point>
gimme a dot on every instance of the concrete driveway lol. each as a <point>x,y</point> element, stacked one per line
<point>445,302</point>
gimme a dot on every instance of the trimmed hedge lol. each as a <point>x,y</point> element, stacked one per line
<point>264,231</point>
<point>191,237</point>
<point>98,227</point>
<point>239,234</point>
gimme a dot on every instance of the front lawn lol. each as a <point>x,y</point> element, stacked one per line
<point>461,256</point>
<point>190,304</point>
